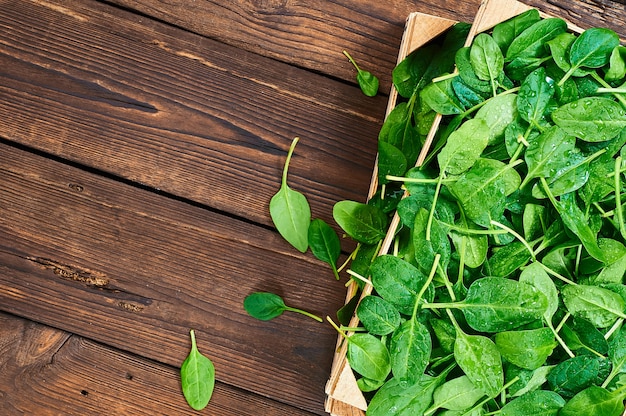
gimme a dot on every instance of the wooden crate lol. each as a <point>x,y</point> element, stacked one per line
<point>343,395</point>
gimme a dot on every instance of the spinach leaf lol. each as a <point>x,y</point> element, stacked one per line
<point>526,349</point>
<point>592,119</point>
<point>398,282</point>
<point>505,32</point>
<point>410,349</point>
<point>487,59</point>
<point>594,401</point>
<point>495,304</point>
<point>391,162</point>
<point>574,375</point>
<point>400,398</point>
<point>324,243</point>
<point>534,96</point>
<point>456,394</point>
<point>617,64</point>
<point>498,112</point>
<point>197,375</point>
<point>368,356</point>
<point>530,43</point>
<point>367,81</point>
<point>441,97</point>
<point>265,306</point>
<point>592,49</point>
<point>366,224</point>
<point>598,305</point>
<point>536,403</point>
<point>480,360</point>
<point>290,210</point>
<point>464,146</point>
<point>377,315</point>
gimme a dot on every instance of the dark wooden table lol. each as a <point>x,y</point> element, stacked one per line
<point>140,143</point>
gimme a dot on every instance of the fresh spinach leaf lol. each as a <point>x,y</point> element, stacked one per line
<point>197,374</point>
<point>365,223</point>
<point>526,349</point>
<point>324,243</point>
<point>368,82</point>
<point>265,306</point>
<point>290,210</point>
<point>378,316</point>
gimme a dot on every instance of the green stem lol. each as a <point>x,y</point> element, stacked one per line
<point>516,235</point>
<point>289,154</point>
<point>417,180</point>
<point>359,277</point>
<point>618,198</point>
<point>425,286</point>
<point>334,325</point>
<point>445,77</point>
<point>305,313</point>
<point>621,90</point>
<point>351,61</point>
<point>472,231</point>
<point>601,81</point>
<point>431,214</point>
<point>557,275</point>
<point>559,339</point>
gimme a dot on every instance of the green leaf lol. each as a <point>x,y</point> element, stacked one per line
<point>324,243</point>
<point>592,49</point>
<point>197,375</point>
<point>534,96</point>
<point>464,146</point>
<point>574,374</point>
<point>531,42</point>
<point>505,32</point>
<point>480,360</point>
<point>399,398</point>
<point>536,403</point>
<point>498,112</point>
<point>410,349</point>
<point>594,401</point>
<point>366,80</point>
<point>290,211</point>
<point>368,356</point>
<point>265,306</point>
<point>440,97</point>
<point>391,161</point>
<point>592,119</point>
<point>457,394</point>
<point>526,349</point>
<point>495,304</point>
<point>486,59</point>
<point>365,223</point>
<point>617,64</point>
<point>598,305</point>
<point>398,282</point>
<point>535,275</point>
<point>377,315</point>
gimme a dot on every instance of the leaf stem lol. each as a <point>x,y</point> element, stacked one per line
<point>351,60</point>
<point>334,325</point>
<point>600,80</point>
<point>618,198</point>
<point>431,275</point>
<point>431,214</point>
<point>516,235</point>
<point>288,159</point>
<point>359,277</point>
<point>303,312</point>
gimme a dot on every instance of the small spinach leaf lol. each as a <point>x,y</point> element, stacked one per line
<point>197,375</point>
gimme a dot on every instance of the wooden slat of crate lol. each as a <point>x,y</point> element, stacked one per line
<point>344,397</point>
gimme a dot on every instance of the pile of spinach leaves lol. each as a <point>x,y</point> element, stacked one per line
<point>503,293</point>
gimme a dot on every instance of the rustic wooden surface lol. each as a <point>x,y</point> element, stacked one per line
<point>140,142</point>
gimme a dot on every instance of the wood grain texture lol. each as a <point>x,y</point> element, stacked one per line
<point>308,34</point>
<point>136,271</point>
<point>46,371</point>
<point>311,34</point>
<point>178,112</point>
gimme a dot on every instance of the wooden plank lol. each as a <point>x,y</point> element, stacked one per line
<point>309,34</point>
<point>136,271</point>
<point>177,112</point>
<point>46,371</point>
